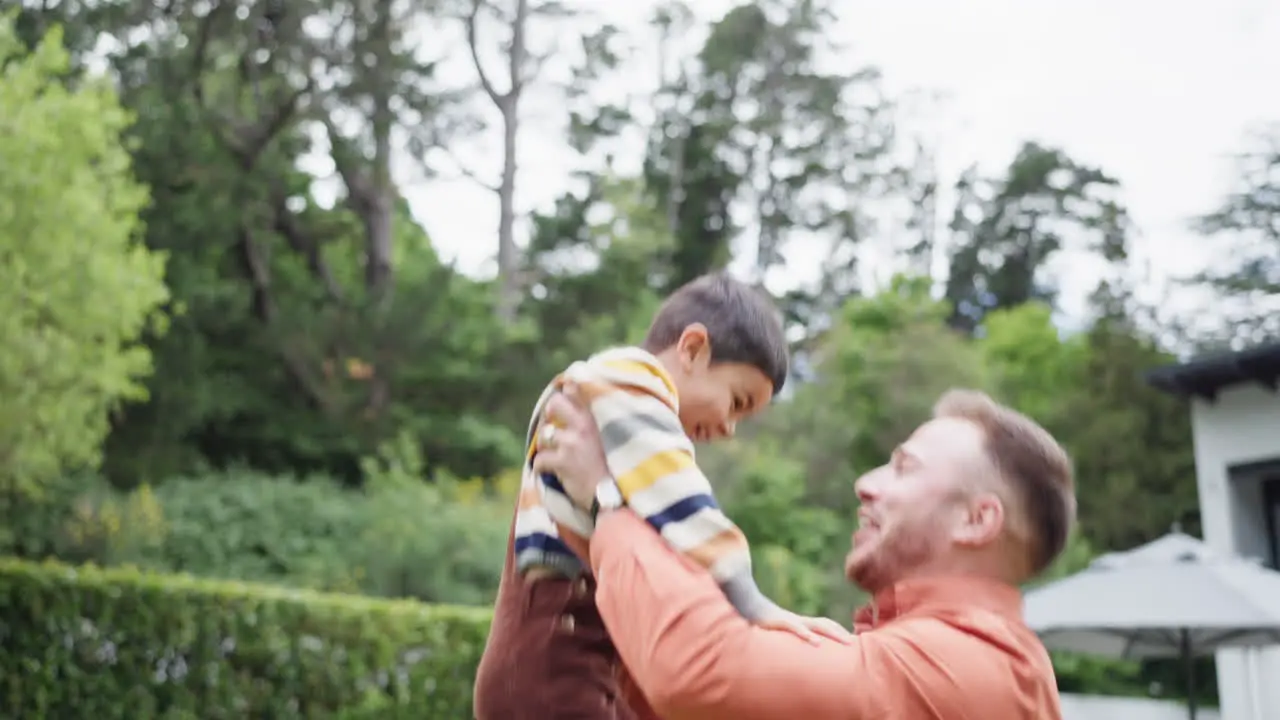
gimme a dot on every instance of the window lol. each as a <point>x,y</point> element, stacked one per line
<point>1271,506</point>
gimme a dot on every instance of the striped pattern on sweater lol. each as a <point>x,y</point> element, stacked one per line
<point>636,410</point>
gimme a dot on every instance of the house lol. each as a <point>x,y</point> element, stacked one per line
<point>1235,422</point>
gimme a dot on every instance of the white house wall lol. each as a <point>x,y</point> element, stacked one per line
<point>1088,707</point>
<point>1241,427</point>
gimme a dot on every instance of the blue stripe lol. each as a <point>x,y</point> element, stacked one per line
<point>682,510</point>
<point>552,483</point>
<point>543,542</point>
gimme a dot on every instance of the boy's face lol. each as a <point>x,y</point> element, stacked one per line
<point>713,397</point>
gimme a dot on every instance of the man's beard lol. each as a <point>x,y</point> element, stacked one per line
<point>895,554</point>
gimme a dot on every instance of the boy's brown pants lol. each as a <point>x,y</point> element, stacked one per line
<point>549,656</point>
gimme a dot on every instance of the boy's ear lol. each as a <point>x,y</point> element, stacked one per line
<point>694,347</point>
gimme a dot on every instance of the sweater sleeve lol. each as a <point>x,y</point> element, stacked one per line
<point>651,458</point>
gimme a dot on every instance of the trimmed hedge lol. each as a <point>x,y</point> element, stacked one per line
<point>83,642</point>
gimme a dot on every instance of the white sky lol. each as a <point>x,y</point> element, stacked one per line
<point>1157,93</point>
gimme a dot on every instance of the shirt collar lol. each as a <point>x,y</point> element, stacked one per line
<point>939,595</point>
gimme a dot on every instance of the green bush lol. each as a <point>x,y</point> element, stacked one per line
<point>244,525</point>
<point>117,643</point>
<point>419,543</point>
<point>437,541</point>
<point>797,546</point>
<point>38,522</point>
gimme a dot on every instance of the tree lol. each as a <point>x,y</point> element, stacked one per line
<point>80,289</point>
<point>886,364</point>
<point>522,64</point>
<point>755,136</point>
<point>520,72</point>
<point>1030,364</point>
<point>1005,232</point>
<point>297,346</point>
<point>1248,219</point>
<point>1132,443</point>
<point>596,258</point>
<point>694,187</point>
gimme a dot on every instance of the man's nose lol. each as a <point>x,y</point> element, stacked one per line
<point>862,489</point>
<point>867,486</point>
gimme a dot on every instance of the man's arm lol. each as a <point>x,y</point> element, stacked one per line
<point>694,657</point>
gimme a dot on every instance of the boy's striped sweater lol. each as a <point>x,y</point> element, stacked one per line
<point>636,409</point>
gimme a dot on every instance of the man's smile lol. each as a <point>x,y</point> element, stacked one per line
<point>867,527</point>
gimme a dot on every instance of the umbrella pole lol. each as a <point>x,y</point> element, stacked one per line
<point>1190,660</point>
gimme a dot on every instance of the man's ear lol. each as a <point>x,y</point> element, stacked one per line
<point>981,521</point>
<point>694,347</point>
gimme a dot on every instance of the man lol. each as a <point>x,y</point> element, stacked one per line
<point>977,501</point>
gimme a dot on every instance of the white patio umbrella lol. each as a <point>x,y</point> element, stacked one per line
<point>1172,598</point>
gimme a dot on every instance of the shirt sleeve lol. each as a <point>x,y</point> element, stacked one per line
<point>694,657</point>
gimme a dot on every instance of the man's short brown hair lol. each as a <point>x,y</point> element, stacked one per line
<point>1033,465</point>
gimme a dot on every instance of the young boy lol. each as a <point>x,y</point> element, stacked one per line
<point>714,355</point>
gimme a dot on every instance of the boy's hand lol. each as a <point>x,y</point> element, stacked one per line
<point>808,628</point>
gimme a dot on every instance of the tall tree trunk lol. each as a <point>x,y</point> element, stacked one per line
<point>508,104</point>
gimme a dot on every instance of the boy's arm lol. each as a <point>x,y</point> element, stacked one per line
<point>651,459</point>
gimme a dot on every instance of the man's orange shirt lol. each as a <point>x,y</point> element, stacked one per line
<point>953,648</point>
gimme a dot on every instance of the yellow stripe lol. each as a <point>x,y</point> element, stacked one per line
<point>592,391</point>
<point>643,368</point>
<point>649,471</point>
<point>533,446</point>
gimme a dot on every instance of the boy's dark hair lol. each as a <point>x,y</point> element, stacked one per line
<point>742,324</point>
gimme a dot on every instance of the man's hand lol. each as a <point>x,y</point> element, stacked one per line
<point>569,447</point>
<point>808,628</point>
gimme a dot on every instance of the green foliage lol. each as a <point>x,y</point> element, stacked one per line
<point>242,525</point>
<point>768,503</point>
<point>1005,231</point>
<point>1134,457</point>
<point>79,290</point>
<point>1248,219</point>
<point>397,537</point>
<point>880,370</point>
<point>84,642</point>
<point>418,540</point>
<point>1074,558</point>
<point>1032,367</point>
<point>1088,675</point>
<point>797,548</point>
<point>579,311</point>
<point>892,355</point>
<point>394,539</point>
<point>38,526</point>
